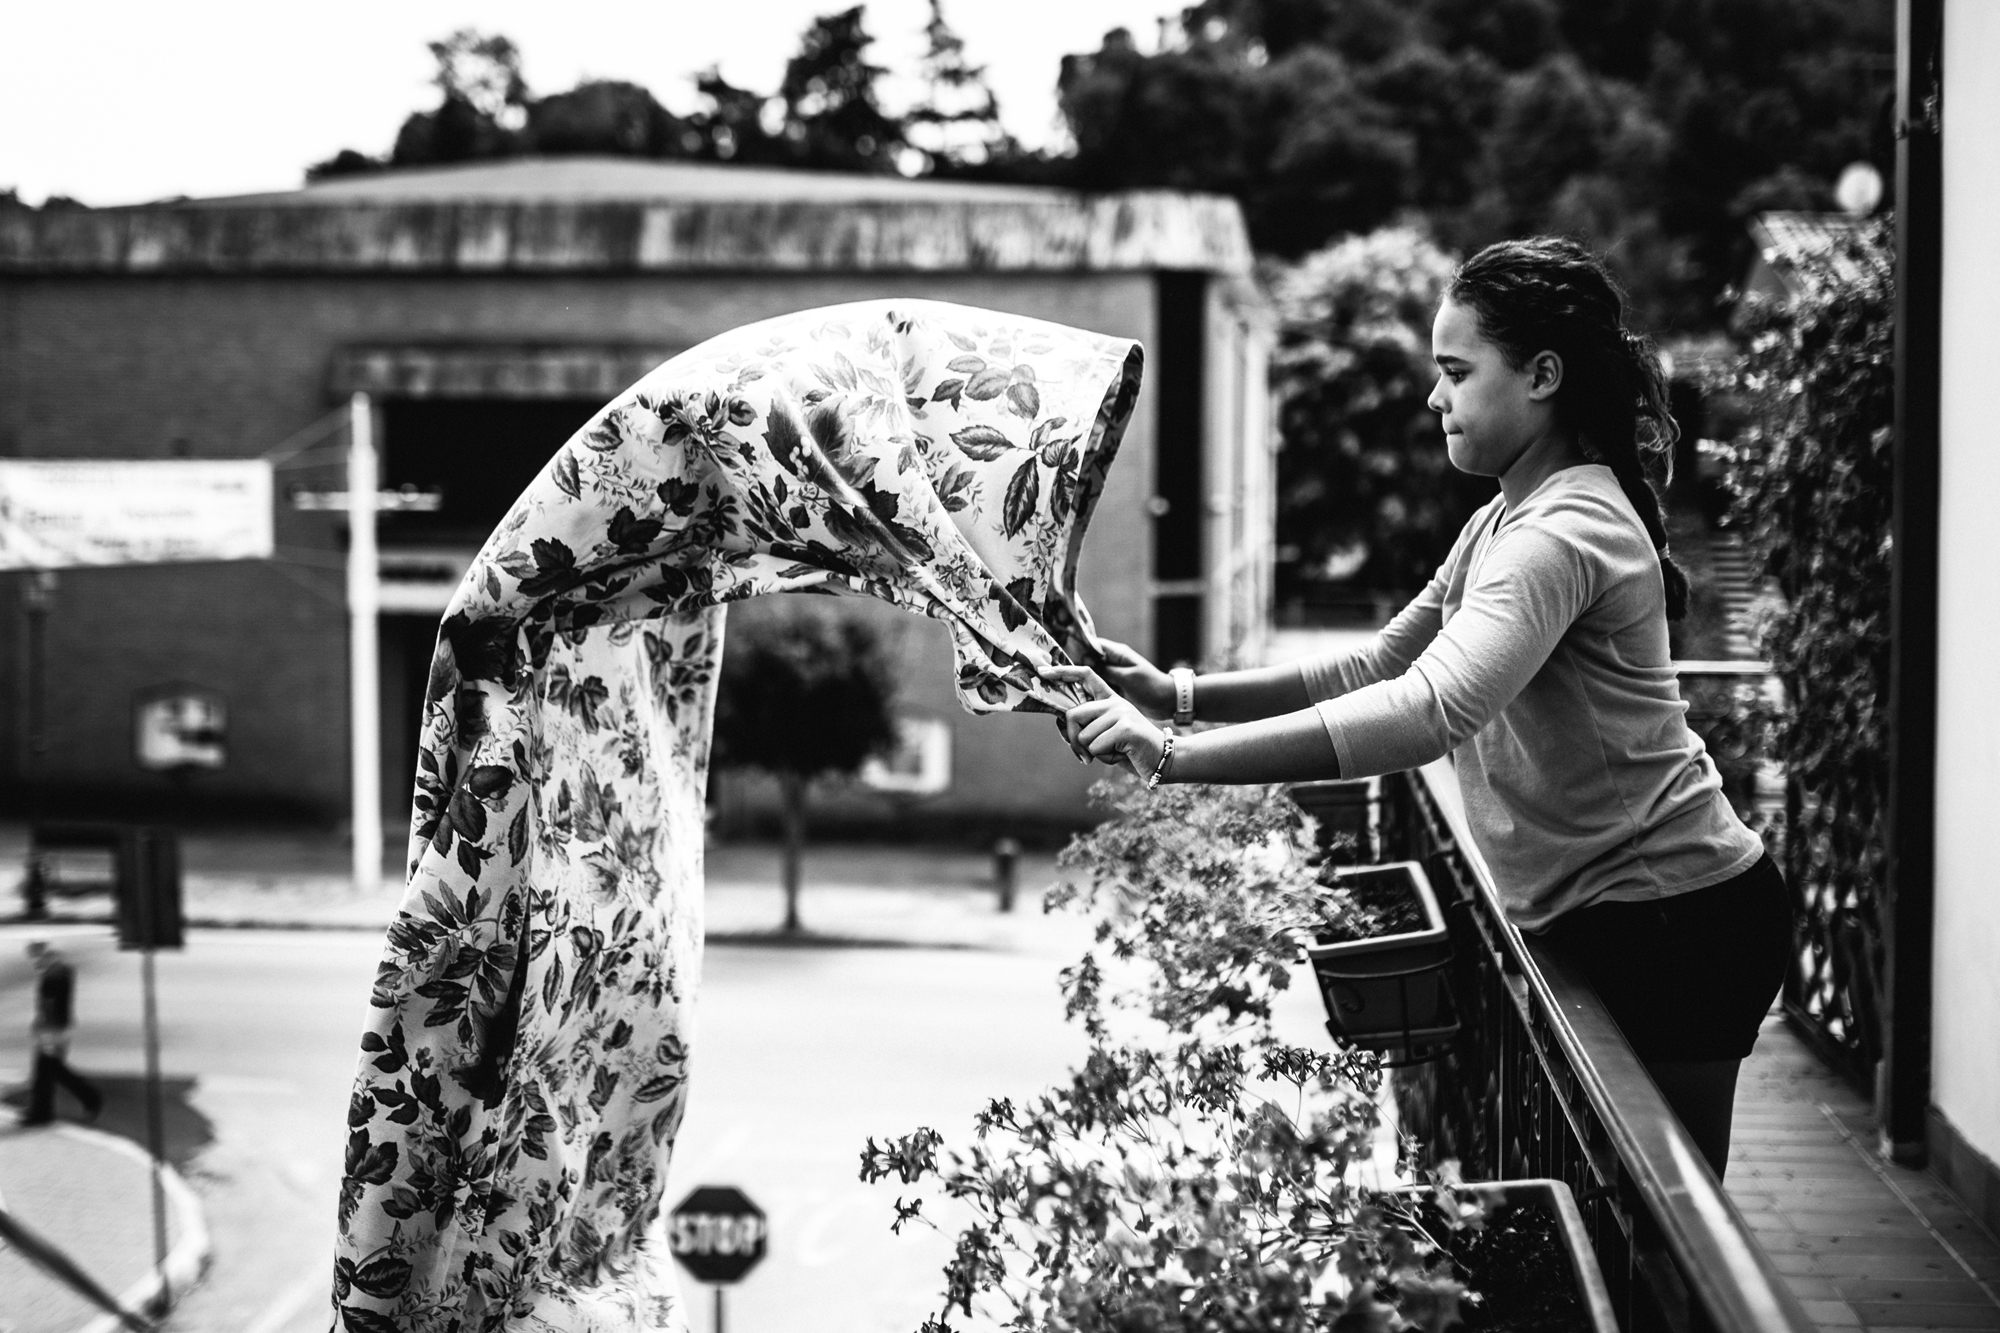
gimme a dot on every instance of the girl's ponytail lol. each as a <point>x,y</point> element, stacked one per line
<point>1551,294</point>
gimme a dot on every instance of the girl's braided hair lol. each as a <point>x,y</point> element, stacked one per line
<point>1550,294</point>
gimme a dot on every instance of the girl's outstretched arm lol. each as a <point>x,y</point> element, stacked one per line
<point>1293,747</point>
<point>1219,696</point>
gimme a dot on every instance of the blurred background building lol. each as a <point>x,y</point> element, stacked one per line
<point>488,310</point>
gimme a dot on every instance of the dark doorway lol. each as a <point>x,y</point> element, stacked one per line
<point>404,647</point>
<point>480,452</point>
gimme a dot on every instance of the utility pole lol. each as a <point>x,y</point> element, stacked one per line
<point>364,690</point>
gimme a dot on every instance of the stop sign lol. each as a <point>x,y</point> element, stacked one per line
<point>717,1233</point>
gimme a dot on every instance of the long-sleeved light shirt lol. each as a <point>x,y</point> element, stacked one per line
<point>1538,657</point>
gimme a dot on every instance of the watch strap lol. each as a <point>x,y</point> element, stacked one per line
<point>1183,678</point>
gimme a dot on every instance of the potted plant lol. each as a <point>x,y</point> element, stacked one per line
<point>1195,1172</point>
<point>1380,955</point>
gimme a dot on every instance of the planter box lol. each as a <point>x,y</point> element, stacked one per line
<point>1591,1293</point>
<point>1596,1311</point>
<point>1344,805</point>
<point>1388,991</point>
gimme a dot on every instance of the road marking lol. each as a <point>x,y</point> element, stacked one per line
<point>290,1301</point>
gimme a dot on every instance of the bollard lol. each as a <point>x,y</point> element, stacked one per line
<point>1006,870</point>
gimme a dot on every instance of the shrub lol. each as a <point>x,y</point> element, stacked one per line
<point>1366,492</point>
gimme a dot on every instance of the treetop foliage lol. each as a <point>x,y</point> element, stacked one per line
<point>825,114</point>
<point>1651,128</point>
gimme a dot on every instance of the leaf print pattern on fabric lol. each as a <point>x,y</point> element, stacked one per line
<point>526,1064</point>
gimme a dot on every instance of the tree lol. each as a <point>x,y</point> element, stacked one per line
<point>826,114</point>
<point>612,118</point>
<point>484,103</point>
<point>833,118</point>
<point>802,696</point>
<point>957,124</point>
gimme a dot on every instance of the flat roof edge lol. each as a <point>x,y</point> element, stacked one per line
<point>1103,233</point>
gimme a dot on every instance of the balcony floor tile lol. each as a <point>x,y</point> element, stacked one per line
<point>1930,1316</point>
<point>1864,1244</point>
<point>1913,1291</point>
<point>1831,1314</point>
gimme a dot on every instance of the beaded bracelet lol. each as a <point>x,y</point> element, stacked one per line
<point>1160,769</point>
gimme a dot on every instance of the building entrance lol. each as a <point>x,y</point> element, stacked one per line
<point>479,454</point>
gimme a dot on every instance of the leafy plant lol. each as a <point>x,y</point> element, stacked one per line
<point>1196,1172</point>
<point>1811,475</point>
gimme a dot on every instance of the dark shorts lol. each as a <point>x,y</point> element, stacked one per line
<point>1688,977</point>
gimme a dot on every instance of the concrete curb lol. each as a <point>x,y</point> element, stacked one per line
<point>188,1258</point>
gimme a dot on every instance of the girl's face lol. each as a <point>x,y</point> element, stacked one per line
<point>1491,411</point>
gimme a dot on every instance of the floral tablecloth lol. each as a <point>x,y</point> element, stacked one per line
<point>526,1063</point>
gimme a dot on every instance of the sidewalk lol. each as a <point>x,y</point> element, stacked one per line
<point>881,894</point>
<point>90,1195</point>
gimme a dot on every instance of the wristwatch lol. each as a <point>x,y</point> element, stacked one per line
<point>1183,679</point>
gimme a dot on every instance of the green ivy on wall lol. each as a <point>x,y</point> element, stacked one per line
<point>1811,475</point>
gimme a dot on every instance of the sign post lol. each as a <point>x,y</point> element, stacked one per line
<point>149,918</point>
<point>718,1235</point>
<point>38,594</point>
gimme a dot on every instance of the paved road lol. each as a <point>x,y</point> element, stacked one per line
<point>801,1054</point>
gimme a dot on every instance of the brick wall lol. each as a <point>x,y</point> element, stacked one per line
<point>138,366</point>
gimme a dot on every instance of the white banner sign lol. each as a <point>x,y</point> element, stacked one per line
<point>62,514</point>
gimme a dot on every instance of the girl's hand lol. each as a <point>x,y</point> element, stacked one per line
<point>1137,679</point>
<point>1107,728</point>
<point>1130,675</point>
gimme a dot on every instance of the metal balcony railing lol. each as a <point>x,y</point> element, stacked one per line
<point>1540,1082</point>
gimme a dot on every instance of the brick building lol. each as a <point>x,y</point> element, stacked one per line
<point>489,310</point>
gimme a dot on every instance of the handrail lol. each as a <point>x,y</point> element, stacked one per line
<point>1695,666</point>
<point>1731,1279</point>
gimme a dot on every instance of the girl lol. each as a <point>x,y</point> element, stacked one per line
<point>1538,657</point>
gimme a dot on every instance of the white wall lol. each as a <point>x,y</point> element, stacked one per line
<point>1966,1079</point>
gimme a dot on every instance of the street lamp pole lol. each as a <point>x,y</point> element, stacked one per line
<point>364,709</point>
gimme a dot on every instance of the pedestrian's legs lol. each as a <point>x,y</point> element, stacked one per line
<point>1703,1095</point>
<point>42,1090</point>
<point>79,1087</point>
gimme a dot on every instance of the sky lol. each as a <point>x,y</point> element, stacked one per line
<point>112,101</point>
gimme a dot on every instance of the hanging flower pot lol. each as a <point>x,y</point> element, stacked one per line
<point>1380,963</point>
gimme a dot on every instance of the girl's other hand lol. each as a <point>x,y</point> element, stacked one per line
<point>1090,684</point>
<point>1114,731</point>
<point>1106,728</point>
<point>1137,679</point>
